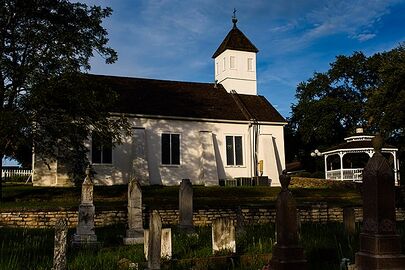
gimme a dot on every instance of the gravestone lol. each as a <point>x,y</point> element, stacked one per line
<point>165,244</point>
<point>380,244</point>
<point>154,243</point>
<point>287,253</point>
<point>349,220</point>
<point>59,252</point>
<point>186,205</point>
<point>223,235</point>
<point>135,222</point>
<point>85,234</point>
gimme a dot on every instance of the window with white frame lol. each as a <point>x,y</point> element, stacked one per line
<point>217,68</point>
<point>250,64</point>
<point>232,62</point>
<point>224,66</point>
<point>234,150</point>
<point>170,149</point>
<point>101,150</point>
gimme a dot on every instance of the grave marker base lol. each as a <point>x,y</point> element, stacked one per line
<point>380,252</point>
<point>134,237</point>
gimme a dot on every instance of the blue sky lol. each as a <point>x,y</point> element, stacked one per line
<point>175,39</point>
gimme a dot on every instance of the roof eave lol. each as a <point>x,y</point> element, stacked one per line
<point>356,149</point>
<point>183,118</point>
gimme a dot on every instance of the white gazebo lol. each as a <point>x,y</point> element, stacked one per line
<point>347,160</point>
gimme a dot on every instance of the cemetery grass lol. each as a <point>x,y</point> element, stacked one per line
<point>324,244</point>
<point>18,197</point>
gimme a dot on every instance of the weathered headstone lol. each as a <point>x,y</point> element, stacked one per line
<point>154,243</point>
<point>135,222</point>
<point>223,235</point>
<point>165,244</point>
<point>85,234</point>
<point>380,244</point>
<point>186,205</point>
<point>59,252</point>
<point>349,220</point>
<point>287,253</point>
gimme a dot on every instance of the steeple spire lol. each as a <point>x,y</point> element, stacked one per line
<point>234,19</point>
<point>235,62</point>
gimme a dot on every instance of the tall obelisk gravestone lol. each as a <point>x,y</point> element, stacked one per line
<point>380,244</point>
<point>186,205</point>
<point>135,222</point>
<point>85,234</point>
<point>287,253</point>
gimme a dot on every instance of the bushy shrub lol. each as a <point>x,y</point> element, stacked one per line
<point>318,174</point>
<point>16,178</point>
<point>303,182</point>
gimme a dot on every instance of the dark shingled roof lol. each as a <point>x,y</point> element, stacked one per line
<point>356,144</point>
<point>235,40</point>
<point>185,99</point>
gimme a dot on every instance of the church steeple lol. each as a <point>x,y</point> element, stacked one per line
<point>235,62</point>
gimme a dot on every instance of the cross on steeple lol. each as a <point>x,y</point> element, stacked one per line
<point>234,20</point>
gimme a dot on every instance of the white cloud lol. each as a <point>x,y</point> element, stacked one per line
<point>350,17</point>
<point>364,36</point>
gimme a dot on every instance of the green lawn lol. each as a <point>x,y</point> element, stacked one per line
<point>324,246</point>
<point>113,197</point>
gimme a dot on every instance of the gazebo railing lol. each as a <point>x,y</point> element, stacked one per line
<point>348,174</point>
<point>333,175</point>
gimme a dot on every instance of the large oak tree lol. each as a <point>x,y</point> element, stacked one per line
<point>357,90</point>
<point>46,100</point>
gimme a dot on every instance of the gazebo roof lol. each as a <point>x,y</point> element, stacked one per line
<point>357,142</point>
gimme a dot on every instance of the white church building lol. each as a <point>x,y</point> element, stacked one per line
<point>206,132</point>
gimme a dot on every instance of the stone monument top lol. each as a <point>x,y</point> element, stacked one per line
<point>87,180</point>
<point>284,180</point>
<point>87,188</point>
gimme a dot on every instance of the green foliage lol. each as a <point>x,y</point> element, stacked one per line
<point>326,244</point>
<point>33,249</point>
<point>357,90</point>
<point>256,239</point>
<point>17,178</point>
<point>45,100</point>
<point>196,245</point>
<point>307,183</point>
<point>23,247</point>
<point>111,252</point>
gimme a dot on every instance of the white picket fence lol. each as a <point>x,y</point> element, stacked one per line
<point>10,173</point>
